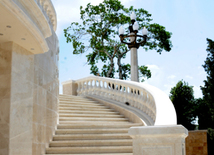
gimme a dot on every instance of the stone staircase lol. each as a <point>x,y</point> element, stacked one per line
<point>88,127</point>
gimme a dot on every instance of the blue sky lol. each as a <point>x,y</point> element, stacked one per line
<point>190,22</point>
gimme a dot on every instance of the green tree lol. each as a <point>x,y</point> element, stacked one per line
<point>98,34</point>
<point>202,111</point>
<point>144,72</point>
<point>208,90</point>
<point>183,100</point>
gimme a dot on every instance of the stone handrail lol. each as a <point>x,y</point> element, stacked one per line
<point>48,7</point>
<point>148,99</point>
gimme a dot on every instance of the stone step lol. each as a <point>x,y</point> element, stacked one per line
<point>79,103</point>
<point>91,122</point>
<point>87,112</point>
<point>92,115</point>
<point>87,127</point>
<point>87,143</point>
<point>70,96</point>
<point>75,99</point>
<point>66,95</point>
<point>83,109</point>
<point>91,131</point>
<point>84,106</point>
<point>92,119</point>
<point>88,150</point>
<point>97,126</point>
<point>90,137</point>
<point>94,154</point>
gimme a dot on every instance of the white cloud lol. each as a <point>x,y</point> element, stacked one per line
<point>167,88</point>
<point>189,77</point>
<point>152,67</point>
<point>69,11</point>
<point>157,76</point>
<point>126,1</point>
<point>171,77</point>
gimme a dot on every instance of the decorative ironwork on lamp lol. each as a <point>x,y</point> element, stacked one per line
<point>133,28</point>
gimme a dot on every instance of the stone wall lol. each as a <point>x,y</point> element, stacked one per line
<point>46,90</point>
<point>29,90</point>
<point>196,143</point>
<point>21,104</point>
<point>5,82</point>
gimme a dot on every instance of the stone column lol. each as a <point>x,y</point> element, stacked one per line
<point>70,87</point>
<point>159,140</point>
<point>134,65</point>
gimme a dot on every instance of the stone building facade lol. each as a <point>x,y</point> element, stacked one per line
<point>28,76</point>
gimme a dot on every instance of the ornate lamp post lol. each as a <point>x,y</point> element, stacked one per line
<point>133,44</point>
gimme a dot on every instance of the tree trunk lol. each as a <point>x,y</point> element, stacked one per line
<point>119,67</point>
<point>111,68</point>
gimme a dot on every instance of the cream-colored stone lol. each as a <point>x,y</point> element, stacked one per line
<point>21,116</point>
<point>28,21</point>
<point>134,65</point>
<point>70,87</point>
<point>48,134</point>
<point>28,82</point>
<point>148,101</point>
<point>4,138</point>
<point>21,89</point>
<point>49,117</point>
<point>132,116</point>
<point>34,149</point>
<point>156,140</point>
<point>21,144</point>
<point>5,90</point>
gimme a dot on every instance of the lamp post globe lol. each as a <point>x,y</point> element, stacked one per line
<point>133,44</point>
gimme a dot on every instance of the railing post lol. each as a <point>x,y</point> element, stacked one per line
<point>70,87</point>
<point>159,140</point>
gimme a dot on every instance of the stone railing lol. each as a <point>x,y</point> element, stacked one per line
<point>148,99</point>
<point>48,7</point>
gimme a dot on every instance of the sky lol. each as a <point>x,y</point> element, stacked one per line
<point>189,21</point>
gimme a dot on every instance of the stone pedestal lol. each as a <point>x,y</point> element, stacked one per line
<point>159,140</point>
<point>70,87</point>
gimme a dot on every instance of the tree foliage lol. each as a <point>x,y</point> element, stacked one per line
<point>98,34</point>
<point>206,106</point>
<point>183,100</point>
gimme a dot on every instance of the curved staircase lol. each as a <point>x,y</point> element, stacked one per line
<point>89,127</point>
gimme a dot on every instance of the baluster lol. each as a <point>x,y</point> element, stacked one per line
<point>121,98</point>
<point>116,94</point>
<point>89,87</point>
<point>98,88</point>
<point>83,87</point>
<point>108,90</point>
<point>86,88</point>
<point>104,89</point>
<point>102,93</point>
<point>112,91</point>
<point>93,87</point>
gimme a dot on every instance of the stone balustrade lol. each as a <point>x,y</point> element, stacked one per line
<point>148,99</point>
